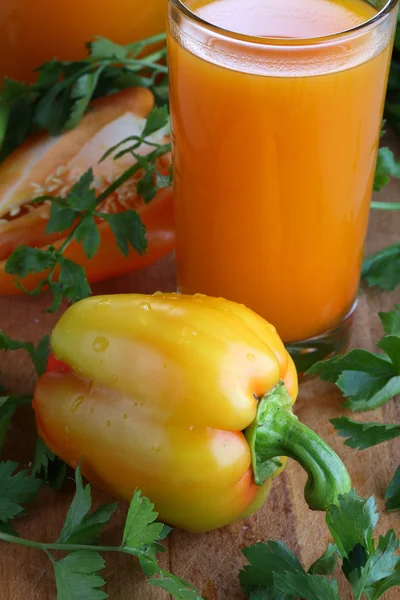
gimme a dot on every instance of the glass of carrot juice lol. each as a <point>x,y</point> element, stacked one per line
<point>276,114</point>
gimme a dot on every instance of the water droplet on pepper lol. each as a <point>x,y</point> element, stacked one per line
<point>145,306</point>
<point>77,403</point>
<point>100,344</point>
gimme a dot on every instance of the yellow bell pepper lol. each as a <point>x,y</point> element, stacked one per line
<point>188,398</point>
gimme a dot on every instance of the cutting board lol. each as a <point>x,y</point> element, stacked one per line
<point>211,561</point>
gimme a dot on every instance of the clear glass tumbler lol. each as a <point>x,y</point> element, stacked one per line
<point>274,148</point>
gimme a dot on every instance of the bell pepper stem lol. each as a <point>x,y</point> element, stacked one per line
<point>277,432</point>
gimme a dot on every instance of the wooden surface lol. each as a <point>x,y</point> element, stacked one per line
<point>210,562</point>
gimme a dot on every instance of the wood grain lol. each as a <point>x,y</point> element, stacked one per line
<point>211,562</point>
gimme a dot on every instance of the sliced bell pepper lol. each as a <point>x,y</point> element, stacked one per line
<point>46,165</point>
<point>188,398</point>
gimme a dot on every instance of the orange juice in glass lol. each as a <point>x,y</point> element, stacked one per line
<point>276,113</point>
<point>35,31</point>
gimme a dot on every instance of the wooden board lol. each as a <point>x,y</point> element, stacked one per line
<point>211,562</point>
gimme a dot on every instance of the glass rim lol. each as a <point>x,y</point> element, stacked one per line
<point>285,42</point>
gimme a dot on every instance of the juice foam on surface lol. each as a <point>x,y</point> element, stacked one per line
<point>285,18</point>
<point>281,20</point>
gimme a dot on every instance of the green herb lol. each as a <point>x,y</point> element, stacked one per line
<point>304,585</point>
<point>77,575</point>
<point>364,435</point>
<point>80,527</point>
<point>391,321</point>
<point>10,403</point>
<point>47,466</point>
<point>392,496</point>
<point>78,210</point>
<point>326,564</point>
<point>15,489</point>
<point>38,354</point>
<point>64,89</point>
<point>265,559</point>
<point>386,167</point>
<point>371,568</point>
<point>368,380</point>
<point>382,269</point>
<point>8,407</point>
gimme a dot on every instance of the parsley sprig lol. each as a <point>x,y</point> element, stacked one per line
<point>78,573</point>
<point>64,89</point>
<point>46,465</point>
<point>371,567</point>
<point>9,404</point>
<point>77,214</point>
<point>368,380</point>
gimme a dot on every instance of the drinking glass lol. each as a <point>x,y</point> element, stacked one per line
<point>274,147</point>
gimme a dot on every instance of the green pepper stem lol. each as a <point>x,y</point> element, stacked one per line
<point>277,432</point>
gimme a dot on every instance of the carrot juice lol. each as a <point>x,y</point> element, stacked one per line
<point>35,31</point>
<point>276,119</point>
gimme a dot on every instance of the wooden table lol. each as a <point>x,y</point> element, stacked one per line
<point>210,562</point>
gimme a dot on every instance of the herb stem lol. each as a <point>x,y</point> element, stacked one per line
<point>13,539</point>
<point>385,205</point>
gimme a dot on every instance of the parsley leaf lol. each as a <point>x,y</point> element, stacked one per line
<point>326,564</point>
<point>88,233</point>
<point>157,119</point>
<point>62,216</point>
<point>382,269</point>
<point>82,93</point>
<point>128,230</point>
<point>15,489</point>
<point>386,167</point>
<point>368,380</point>
<point>82,196</point>
<point>72,280</point>
<point>392,496</point>
<point>47,466</point>
<point>80,527</point>
<point>352,522</point>
<point>103,48</point>
<point>77,576</point>
<point>8,407</point>
<point>25,260</point>
<point>140,527</point>
<point>379,566</point>
<point>309,587</point>
<point>364,435</point>
<point>269,593</point>
<point>391,321</point>
<point>38,354</point>
<point>382,586</point>
<point>176,586</point>
<point>266,559</point>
